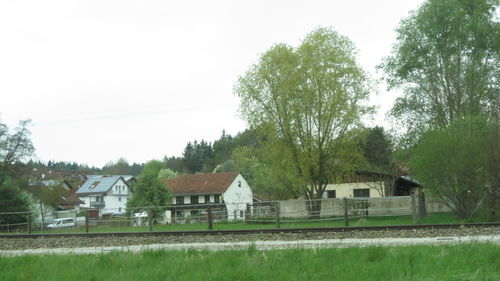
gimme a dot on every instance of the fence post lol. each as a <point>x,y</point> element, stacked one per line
<point>150,220</point>
<point>246,213</point>
<point>210,225</point>
<point>87,221</point>
<point>413,208</point>
<point>29,223</point>
<point>346,212</point>
<point>422,212</point>
<point>278,224</point>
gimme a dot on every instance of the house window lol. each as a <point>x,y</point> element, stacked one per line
<point>207,198</point>
<point>241,213</point>
<point>179,200</point>
<point>194,199</point>
<point>179,214</point>
<point>195,212</point>
<point>216,199</point>
<point>239,183</point>
<point>119,209</point>
<point>362,192</point>
<point>120,199</point>
<point>331,194</point>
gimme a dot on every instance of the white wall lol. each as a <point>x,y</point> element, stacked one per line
<point>187,199</point>
<point>346,189</point>
<point>112,203</point>
<point>236,197</point>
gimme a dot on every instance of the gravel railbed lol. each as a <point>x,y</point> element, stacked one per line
<point>73,242</point>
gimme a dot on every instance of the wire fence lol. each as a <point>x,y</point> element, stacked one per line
<point>329,209</point>
<point>292,213</point>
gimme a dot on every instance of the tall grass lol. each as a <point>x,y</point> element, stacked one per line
<point>447,262</point>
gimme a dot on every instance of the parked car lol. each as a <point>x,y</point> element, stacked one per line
<point>58,223</point>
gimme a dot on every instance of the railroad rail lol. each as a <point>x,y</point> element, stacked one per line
<point>256,231</point>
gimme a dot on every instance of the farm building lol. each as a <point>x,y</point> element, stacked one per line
<point>228,192</point>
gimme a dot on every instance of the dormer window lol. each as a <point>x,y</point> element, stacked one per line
<point>94,184</point>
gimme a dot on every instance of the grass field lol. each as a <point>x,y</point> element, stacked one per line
<point>443,263</point>
<point>434,218</point>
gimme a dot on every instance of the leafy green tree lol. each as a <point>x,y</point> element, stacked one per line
<point>149,191</point>
<point>453,163</point>
<point>15,146</point>
<point>446,61</point>
<point>377,149</point>
<point>175,164</point>
<point>306,100</point>
<point>247,138</point>
<point>13,199</point>
<point>166,173</point>
<point>266,181</point>
<point>227,166</point>
<point>118,167</point>
<point>223,147</point>
<point>492,148</point>
<point>197,155</point>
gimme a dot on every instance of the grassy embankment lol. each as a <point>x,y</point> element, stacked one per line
<point>449,262</point>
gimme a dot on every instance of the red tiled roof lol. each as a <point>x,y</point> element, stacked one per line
<point>215,183</point>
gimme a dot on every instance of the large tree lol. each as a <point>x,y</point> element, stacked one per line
<point>197,157</point>
<point>306,100</point>
<point>149,192</point>
<point>377,149</point>
<point>15,146</point>
<point>446,60</point>
<point>453,163</point>
<point>13,200</point>
<point>118,167</point>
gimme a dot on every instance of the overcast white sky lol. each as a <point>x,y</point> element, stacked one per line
<point>139,79</point>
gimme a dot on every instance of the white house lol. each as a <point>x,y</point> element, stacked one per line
<point>108,194</point>
<point>191,194</point>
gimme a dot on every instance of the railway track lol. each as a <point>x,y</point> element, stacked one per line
<point>257,231</point>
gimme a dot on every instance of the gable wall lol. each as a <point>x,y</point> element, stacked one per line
<point>236,197</point>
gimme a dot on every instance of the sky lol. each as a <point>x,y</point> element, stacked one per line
<point>103,79</point>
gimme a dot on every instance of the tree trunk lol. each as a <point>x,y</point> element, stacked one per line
<point>313,202</point>
<point>313,207</point>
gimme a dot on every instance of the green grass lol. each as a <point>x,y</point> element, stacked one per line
<point>422,263</point>
<point>434,218</point>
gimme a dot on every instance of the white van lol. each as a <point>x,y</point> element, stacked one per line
<point>58,223</point>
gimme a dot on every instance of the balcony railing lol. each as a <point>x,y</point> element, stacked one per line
<point>97,204</point>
